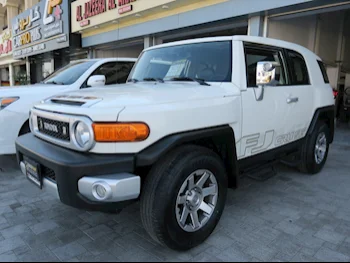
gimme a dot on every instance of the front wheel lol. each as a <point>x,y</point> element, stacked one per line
<point>315,150</point>
<point>183,197</point>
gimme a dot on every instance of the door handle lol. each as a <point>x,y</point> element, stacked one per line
<point>292,100</point>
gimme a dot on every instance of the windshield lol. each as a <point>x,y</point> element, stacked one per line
<point>211,61</point>
<point>69,74</point>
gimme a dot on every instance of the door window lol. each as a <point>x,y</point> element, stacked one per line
<point>115,72</point>
<point>255,55</point>
<point>299,72</point>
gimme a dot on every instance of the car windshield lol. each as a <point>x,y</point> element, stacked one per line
<point>209,61</point>
<point>69,74</point>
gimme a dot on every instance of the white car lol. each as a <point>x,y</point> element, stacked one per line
<point>15,102</point>
<point>193,117</point>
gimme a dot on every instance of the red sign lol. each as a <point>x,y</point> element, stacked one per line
<point>96,7</point>
<point>6,47</point>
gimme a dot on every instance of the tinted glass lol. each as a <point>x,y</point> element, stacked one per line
<point>115,72</point>
<point>69,74</point>
<point>324,71</point>
<point>253,56</point>
<point>210,61</point>
<point>298,70</point>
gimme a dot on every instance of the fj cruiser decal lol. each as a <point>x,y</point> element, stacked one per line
<point>257,143</point>
<point>290,137</point>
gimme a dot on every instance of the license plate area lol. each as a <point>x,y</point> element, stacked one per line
<point>33,172</point>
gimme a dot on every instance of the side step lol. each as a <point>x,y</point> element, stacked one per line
<point>262,174</point>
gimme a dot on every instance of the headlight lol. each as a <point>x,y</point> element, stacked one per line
<point>6,101</point>
<point>82,134</point>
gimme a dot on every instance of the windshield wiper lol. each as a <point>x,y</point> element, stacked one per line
<point>154,79</point>
<point>133,80</point>
<point>54,83</point>
<point>200,81</point>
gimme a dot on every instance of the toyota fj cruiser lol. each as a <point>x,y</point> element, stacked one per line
<point>193,117</point>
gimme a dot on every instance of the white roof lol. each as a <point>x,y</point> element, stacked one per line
<point>244,38</point>
<point>104,60</point>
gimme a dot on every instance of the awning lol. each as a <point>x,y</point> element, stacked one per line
<point>8,60</point>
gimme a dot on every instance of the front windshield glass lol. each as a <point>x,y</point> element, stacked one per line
<point>211,61</point>
<point>69,74</point>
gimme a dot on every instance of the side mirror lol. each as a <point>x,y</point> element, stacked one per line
<point>266,73</point>
<point>96,81</point>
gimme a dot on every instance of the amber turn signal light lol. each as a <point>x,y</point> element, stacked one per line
<point>120,132</point>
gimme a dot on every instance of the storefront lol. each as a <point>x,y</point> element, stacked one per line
<point>11,71</point>
<point>120,28</point>
<point>41,36</point>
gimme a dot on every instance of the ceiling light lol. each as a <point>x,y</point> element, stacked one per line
<point>165,7</point>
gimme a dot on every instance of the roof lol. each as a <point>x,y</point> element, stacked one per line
<point>244,38</point>
<point>111,59</point>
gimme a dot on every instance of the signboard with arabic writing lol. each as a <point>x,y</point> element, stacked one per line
<point>42,28</point>
<point>5,43</point>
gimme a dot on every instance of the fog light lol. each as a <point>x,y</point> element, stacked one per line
<point>101,191</point>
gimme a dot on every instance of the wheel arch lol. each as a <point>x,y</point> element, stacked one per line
<point>327,115</point>
<point>219,139</point>
<point>25,128</point>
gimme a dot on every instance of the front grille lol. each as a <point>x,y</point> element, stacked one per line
<point>56,129</point>
<point>48,173</point>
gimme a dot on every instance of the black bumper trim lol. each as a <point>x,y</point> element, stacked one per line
<point>70,166</point>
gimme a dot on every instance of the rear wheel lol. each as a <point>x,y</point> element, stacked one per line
<point>183,197</point>
<point>315,150</point>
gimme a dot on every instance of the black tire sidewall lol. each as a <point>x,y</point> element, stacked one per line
<point>312,166</point>
<point>177,238</point>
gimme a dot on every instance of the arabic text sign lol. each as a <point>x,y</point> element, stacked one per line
<point>90,13</point>
<point>5,43</point>
<point>43,28</point>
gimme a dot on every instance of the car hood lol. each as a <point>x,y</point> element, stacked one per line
<point>140,94</point>
<point>30,89</point>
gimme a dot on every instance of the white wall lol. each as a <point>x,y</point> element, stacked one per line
<point>300,30</point>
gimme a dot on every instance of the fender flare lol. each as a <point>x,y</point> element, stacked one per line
<point>323,114</point>
<point>221,135</point>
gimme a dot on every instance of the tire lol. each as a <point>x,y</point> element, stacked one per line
<point>309,164</point>
<point>159,198</point>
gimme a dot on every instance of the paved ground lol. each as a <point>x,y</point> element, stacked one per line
<point>291,217</point>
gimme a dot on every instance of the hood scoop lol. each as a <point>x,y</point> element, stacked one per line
<point>78,101</point>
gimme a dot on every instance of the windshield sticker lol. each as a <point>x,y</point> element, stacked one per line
<point>176,68</point>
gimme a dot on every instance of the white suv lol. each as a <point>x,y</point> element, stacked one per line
<point>194,116</point>
<point>16,102</point>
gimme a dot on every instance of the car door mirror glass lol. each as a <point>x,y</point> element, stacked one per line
<point>96,81</point>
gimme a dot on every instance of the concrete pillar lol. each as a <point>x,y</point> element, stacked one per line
<point>152,41</point>
<point>91,53</point>
<point>256,26</point>
<point>11,75</point>
<point>28,70</point>
<point>52,65</point>
<point>12,12</point>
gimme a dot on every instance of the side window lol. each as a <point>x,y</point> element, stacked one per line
<point>115,72</point>
<point>255,55</point>
<point>324,71</point>
<point>298,70</point>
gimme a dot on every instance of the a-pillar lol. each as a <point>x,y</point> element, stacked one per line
<point>150,41</point>
<point>256,26</point>
<point>11,75</point>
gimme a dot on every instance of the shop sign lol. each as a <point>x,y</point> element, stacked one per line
<point>90,13</point>
<point>5,43</point>
<point>43,28</point>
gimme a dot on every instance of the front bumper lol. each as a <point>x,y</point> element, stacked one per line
<point>73,176</point>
